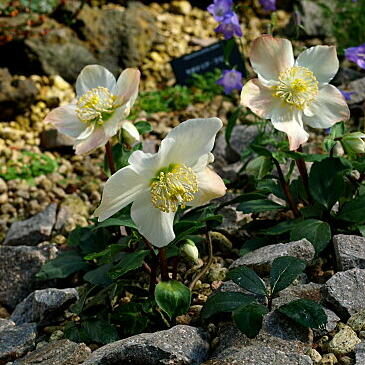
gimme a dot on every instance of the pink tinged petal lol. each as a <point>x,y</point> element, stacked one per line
<point>86,132</point>
<point>95,140</point>
<point>93,76</point>
<point>327,109</point>
<point>258,98</point>
<point>192,139</point>
<point>126,87</point>
<point>121,189</point>
<point>269,56</point>
<point>321,60</point>
<point>289,121</point>
<point>210,186</point>
<point>151,222</point>
<point>64,118</point>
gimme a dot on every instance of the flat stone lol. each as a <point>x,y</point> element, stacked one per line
<point>261,259</point>
<point>18,268</point>
<point>62,352</point>
<point>180,345</point>
<point>344,341</point>
<point>42,304</point>
<point>345,291</point>
<point>16,341</point>
<point>33,230</point>
<point>350,251</point>
<point>51,139</point>
<point>360,353</point>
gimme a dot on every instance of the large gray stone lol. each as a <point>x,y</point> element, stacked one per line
<point>18,268</point>
<point>180,345</point>
<point>358,89</point>
<point>261,259</point>
<point>345,291</point>
<point>360,353</point>
<point>62,352</point>
<point>42,304</point>
<point>33,230</point>
<point>16,341</point>
<point>5,323</point>
<point>350,251</point>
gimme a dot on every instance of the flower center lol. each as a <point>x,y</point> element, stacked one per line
<point>95,106</point>
<point>173,186</point>
<point>297,86</point>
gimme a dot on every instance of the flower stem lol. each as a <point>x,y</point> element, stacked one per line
<point>286,189</point>
<point>302,168</point>
<point>163,264</point>
<point>209,262</point>
<point>109,155</point>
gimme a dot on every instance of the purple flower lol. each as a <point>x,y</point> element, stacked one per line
<point>230,26</point>
<point>221,9</point>
<point>268,5</point>
<point>347,94</point>
<point>357,55</point>
<point>230,80</point>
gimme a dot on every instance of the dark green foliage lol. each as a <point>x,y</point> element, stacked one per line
<point>248,279</point>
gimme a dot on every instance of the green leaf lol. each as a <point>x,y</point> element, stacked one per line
<point>326,182</point>
<point>280,228</point>
<point>248,318</point>
<point>65,264</point>
<point>259,167</point>
<point>224,302</point>
<point>130,261</point>
<point>260,150</point>
<point>173,298</point>
<point>125,221</point>
<point>248,279</point>
<point>317,232</point>
<point>338,130</point>
<point>231,123</point>
<point>253,244</point>
<point>305,312</point>
<point>227,49</point>
<point>100,331</point>
<point>99,276</point>
<point>107,254</point>
<point>353,211</point>
<point>143,127</point>
<point>258,206</point>
<point>284,271</point>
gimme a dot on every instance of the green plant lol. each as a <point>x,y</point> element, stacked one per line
<point>247,310</point>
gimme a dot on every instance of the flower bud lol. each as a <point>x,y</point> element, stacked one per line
<point>353,142</point>
<point>190,250</point>
<point>130,133</point>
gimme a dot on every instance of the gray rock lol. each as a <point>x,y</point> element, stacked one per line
<point>179,345</point>
<point>360,353</point>
<point>63,352</point>
<point>344,341</point>
<point>33,230</point>
<point>51,139</point>
<point>332,321</point>
<point>42,304</point>
<point>5,323</point>
<point>357,87</point>
<point>242,136</point>
<point>261,259</point>
<point>18,268</point>
<point>16,341</point>
<point>350,251</point>
<point>230,224</point>
<point>345,291</point>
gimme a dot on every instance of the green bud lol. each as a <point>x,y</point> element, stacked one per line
<point>353,142</point>
<point>190,250</point>
<point>130,133</point>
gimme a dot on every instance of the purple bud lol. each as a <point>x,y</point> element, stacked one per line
<point>220,9</point>
<point>230,26</point>
<point>230,80</point>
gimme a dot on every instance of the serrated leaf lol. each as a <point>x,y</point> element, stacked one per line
<point>248,318</point>
<point>258,206</point>
<point>173,298</point>
<point>247,279</point>
<point>224,302</point>
<point>305,312</point>
<point>284,271</point>
<point>130,261</point>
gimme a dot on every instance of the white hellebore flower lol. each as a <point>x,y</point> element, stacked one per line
<point>157,183</point>
<point>294,92</point>
<point>102,104</point>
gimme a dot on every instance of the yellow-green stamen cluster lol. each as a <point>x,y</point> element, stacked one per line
<point>297,86</point>
<point>173,186</point>
<point>95,106</point>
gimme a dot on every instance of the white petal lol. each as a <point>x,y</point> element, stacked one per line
<point>269,56</point>
<point>127,87</point>
<point>203,162</point>
<point>289,121</point>
<point>86,132</point>
<point>210,185</point>
<point>321,60</point>
<point>258,98</point>
<point>193,139</point>
<point>93,76</point>
<point>96,139</point>
<point>114,123</point>
<point>121,189</point>
<point>327,109</point>
<point>64,118</point>
<point>152,223</point>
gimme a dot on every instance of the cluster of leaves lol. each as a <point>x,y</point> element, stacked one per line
<point>347,19</point>
<point>28,166</point>
<point>35,6</point>
<point>248,310</point>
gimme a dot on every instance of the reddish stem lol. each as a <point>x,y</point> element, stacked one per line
<point>109,155</point>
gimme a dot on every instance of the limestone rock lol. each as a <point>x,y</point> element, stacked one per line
<point>350,251</point>
<point>357,321</point>
<point>344,341</point>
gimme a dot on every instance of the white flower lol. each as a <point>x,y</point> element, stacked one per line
<point>157,184</point>
<point>102,104</point>
<point>292,93</point>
